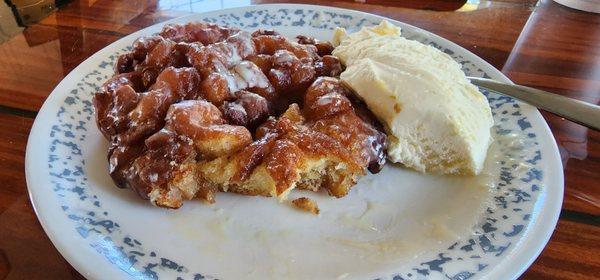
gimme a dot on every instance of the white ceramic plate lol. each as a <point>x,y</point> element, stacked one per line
<point>397,224</point>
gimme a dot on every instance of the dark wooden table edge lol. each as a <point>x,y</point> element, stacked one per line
<point>18,112</point>
<point>579,217</point>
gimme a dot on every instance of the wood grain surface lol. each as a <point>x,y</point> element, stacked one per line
<point>539,44</point>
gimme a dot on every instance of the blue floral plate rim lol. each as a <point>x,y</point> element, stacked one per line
<point>528,249</point>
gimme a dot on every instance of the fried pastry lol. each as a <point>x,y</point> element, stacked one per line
<point>199,108</point>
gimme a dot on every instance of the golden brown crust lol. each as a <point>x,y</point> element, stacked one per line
<point>289,153</point>
<point>201,108</point>
<point>283,164</point>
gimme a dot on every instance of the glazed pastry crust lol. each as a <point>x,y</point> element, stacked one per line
<point>200,108</point>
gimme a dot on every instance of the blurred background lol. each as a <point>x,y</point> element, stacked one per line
<point>15,15</point>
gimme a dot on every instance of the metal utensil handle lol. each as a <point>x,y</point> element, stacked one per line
<point>583,113</point>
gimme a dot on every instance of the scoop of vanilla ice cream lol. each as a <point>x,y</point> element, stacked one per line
<point>436,120</point>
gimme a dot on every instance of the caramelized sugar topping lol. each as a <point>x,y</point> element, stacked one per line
<point>200,92</point>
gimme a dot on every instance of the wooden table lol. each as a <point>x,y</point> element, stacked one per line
<point>538,44</point>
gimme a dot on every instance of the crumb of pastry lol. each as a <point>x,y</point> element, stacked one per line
<point>306,204</point>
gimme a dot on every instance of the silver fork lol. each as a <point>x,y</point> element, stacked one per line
<point>583,113</point>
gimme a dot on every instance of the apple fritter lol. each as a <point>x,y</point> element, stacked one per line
<point>199,108</point>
